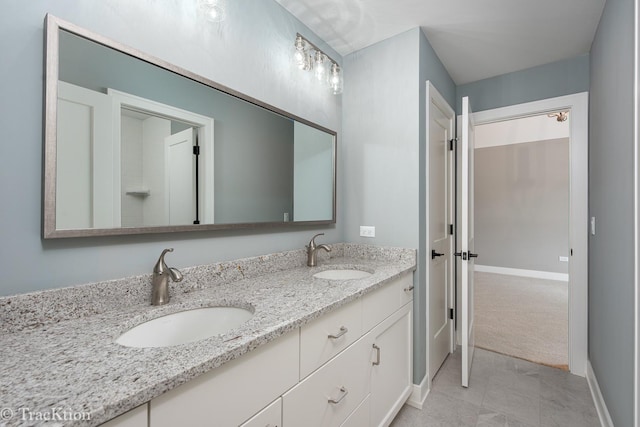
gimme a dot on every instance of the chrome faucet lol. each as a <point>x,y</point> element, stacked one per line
<point>160,280</point>
<point>312,251</point>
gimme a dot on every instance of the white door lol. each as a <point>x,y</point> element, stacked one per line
<point>440,290</point>
<point>180,192</point>
<point>87,184</point>
<point>466,230</point>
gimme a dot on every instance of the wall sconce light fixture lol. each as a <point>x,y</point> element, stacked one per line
<point>308,56</point>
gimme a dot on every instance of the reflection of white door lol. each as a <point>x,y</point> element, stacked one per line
<point>467,248</point>
<point>440,289</point>
<point>180,193</point>
<point>85,186</point>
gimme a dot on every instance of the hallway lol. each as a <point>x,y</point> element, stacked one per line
<point>504,391</point>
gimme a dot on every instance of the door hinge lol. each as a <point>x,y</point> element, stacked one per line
<point>196,150</point>
<point>451,229</point>
<point>451,313</point>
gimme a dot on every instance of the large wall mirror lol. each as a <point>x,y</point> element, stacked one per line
<point>137,145</point>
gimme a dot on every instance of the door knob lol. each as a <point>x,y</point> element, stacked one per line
<point>472,255</point>
<point>435,254</point>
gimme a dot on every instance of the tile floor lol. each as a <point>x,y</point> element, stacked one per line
<point>503,391</point>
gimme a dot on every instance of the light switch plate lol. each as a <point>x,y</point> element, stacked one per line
<point>563,258</point>
<point>593,225</point>
<point>367,231</point>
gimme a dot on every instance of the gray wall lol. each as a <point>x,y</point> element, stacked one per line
<point>250,52</point>
<point>545,81</point>
<point>611,250</point>
<point>384,102</point>
<point>522,205</point>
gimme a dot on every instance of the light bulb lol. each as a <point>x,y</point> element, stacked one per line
<point>300,55</point>
<point>320,67</point>
<point>335,79</point>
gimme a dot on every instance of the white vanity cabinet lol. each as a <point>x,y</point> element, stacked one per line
<point>349,368</point>
<point>137,417</point>
<point>271,416</point>
<point>367,383</point>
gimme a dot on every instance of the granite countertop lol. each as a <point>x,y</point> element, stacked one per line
<point>74,365</point>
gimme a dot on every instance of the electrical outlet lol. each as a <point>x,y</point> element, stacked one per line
<point>563,258</point>
<point>367,231</point>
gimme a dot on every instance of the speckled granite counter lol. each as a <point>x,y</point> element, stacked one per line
<point>58,348</point>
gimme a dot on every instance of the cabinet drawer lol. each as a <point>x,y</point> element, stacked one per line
<point>232,393</point>
<point>344,380</point>
<point>381,303</point>
<point>327,336</point>
<point>137,417</point>
<point>360,417</point>
<point>271,416</point>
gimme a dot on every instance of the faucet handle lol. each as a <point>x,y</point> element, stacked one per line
<point>176,275</point>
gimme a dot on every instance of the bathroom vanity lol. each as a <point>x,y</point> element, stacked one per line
<point>326,352</point>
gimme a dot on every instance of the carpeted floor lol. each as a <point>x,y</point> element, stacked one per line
<point>522,317</point>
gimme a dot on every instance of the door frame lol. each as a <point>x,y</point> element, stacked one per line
<point>205,129</point>
<point>578,105</point>
<point>433,94</point>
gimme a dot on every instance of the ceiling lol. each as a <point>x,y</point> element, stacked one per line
<point>473,39</point>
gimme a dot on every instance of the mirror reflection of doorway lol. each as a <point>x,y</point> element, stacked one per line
<point>522,232</point>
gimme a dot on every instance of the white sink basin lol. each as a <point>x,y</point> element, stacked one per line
<point>184,327</point>
<point>342,274</point>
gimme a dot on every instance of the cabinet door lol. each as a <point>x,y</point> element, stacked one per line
<point>392,354</point>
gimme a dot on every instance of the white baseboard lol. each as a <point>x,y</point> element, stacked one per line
<point>548,275</point>
<point>598,400</point>
<point>419,393</point>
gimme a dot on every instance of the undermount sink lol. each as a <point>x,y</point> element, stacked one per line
<point>342,274</point>
<point>184,327</point>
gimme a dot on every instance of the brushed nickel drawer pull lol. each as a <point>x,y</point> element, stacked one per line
<point>410,288</point>
<point>343,331</point>
<point>344,392</point>
<point>377,362</point>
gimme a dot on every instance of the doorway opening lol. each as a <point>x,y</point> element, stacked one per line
<point>577,107</point>
<point>522,231</point>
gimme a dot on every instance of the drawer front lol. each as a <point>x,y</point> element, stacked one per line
<point>360,417</point>
<point>232,393</point>
<point>328,335</point>
<point>271,416</point>
<point>329,395</point>
<point>381,303</point>
<point>137,417</point>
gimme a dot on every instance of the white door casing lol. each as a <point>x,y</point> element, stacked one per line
<point>205,126</point>
<point>440,328</point>
<point>577,105</point>
<point>467,247</point>
<point>179,173</point>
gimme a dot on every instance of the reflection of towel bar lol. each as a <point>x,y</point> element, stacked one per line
<point>139,193</point>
